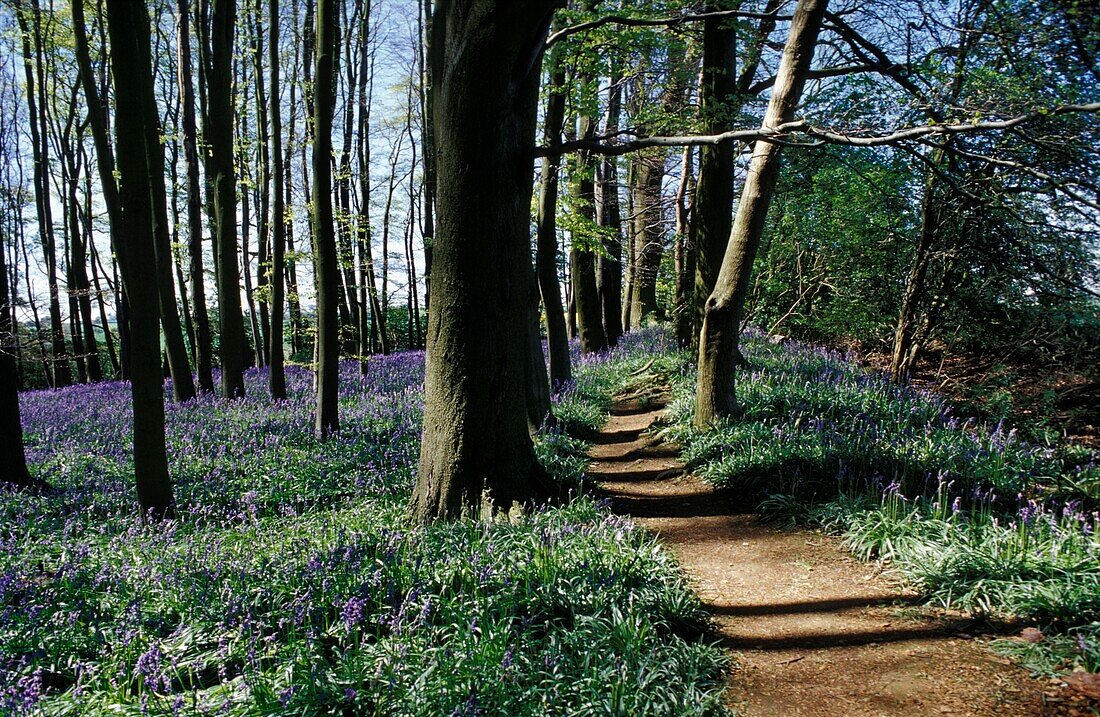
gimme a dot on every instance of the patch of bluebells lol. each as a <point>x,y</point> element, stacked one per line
<point>291,582</point>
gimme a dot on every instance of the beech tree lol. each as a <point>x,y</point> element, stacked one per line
<point>476,455</point>
<point>128,26</point>
<point>327,419</point>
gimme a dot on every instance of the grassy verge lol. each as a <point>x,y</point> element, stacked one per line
<point>974,518</point>
<point>291,584</point>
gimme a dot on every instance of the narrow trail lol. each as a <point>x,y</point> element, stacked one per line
<point>815,632</point>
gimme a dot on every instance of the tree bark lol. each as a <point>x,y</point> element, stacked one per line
<point>713,204</point>
<point>649,236</point>
<point>609,264</point>
<point>276,371</point>
<point>327,419</point>
<point>485,67</point>
<point>718,349</point>
<point>127,21</point>
<point>218,127</point>
<point>546,238</point>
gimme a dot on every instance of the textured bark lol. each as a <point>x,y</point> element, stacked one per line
<point>684,254</point>
<point>546,239</point>
<point>905,350</point>
<point>649,236</point>
<point>713,205</point>
<point>326,419</point>
<point>718,349</point>
<point>218,127</point>
<point>128,20</point>
<point>485,68</point>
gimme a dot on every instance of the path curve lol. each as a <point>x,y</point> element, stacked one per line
<point>816,633</point>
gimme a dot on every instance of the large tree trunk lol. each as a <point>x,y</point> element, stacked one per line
<point>127,21</point>
<point>327,419</point>
<point>713,206</point>
<point>718,350</point>
<point>218,126</point>
<point>485,65</point>
<point>546,238</point>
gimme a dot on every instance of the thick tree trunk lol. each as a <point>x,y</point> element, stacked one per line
<point>327,419</point>
<point>219,137</point>
<point>546,238</point>
<point>713,206</point>
<point>128,21</point>
<point>718,349</point>
<point>485,66</point>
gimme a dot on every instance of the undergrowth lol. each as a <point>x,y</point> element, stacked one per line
<point>969,514</point>
<point>292,584</point>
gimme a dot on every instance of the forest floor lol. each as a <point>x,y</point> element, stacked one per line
<point>813,630</point>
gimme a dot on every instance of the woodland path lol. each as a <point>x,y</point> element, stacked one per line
<point>814,631</point>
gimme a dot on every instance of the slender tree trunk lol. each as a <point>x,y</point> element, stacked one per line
<point>685,252</point>
<point>128,24</point>
<point>904,356</point>
<point>204,351</point>
<point>219,138</point>
<point>263,208</point>
<point>631,241</point>
<point>718,350</point>
<point>609,264</point>
<point>13,460</point>
<point>61,374</point>
<point>327,419</point>
<point>478,324</point>
<point>546,253</point>
<point>276,370</point>
<point>427,140</point>
<point>183,383</point>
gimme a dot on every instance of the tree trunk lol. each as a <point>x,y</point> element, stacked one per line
<point>649,236</point>
<point>718,349</point>
<point>276,371</point>
<point>13,460</point>
<point>546,251</point>
<point>128,21</point>
<point>609,264</point>
<point>218,134</point>
<point>61,374</point>
<point>204,346</point>
<point>684,253</point>
<point>327,419</point>
<point>485,64</point>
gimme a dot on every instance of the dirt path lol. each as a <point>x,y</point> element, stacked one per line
<point>816,632</point>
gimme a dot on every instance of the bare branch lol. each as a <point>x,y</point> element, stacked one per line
<point>673,21</point>
<point>782,134</point>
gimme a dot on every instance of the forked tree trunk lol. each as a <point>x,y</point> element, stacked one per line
<point>128,20</point>
<point>485,68</point>
<point>718,349</point>
<point>327,418</point>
